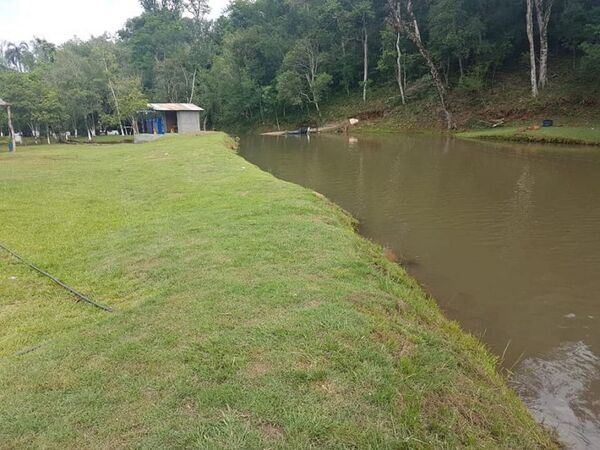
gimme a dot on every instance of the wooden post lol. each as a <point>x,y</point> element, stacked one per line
<point>11,129</point>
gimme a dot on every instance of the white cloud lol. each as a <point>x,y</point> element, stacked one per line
<point>60,20</point>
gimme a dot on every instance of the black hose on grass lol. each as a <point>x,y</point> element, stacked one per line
<point>57,281</point>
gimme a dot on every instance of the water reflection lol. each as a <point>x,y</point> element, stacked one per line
<point>505,237</point>
<point>555,386</point>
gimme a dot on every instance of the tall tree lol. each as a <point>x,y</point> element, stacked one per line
<point>16,55</point>
<point>131,100</point>
<point>199,9</point>
<point>303,79</point>
<point>532,58</point>
<point>106,52</point>
<point>43,51</point>
<point>543,9</point>
<point>363,10</point>
<point>406,22</point>
<point>49,111</point>
<point>74,71</point>
<point>455,32</point>
<point>392,38</point>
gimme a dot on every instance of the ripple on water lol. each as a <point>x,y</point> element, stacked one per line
<point>557,389</point>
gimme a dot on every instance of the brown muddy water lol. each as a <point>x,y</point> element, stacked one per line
<point>506,237</point>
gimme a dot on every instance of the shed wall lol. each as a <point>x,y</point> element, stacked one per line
<point>188,121</point>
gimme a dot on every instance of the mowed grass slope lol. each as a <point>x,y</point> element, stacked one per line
<point>248,314</point>
<point>553,135</point>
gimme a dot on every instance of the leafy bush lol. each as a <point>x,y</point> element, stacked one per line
<point>473,82</point>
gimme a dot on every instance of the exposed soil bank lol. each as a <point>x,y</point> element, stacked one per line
<point>248,314</point>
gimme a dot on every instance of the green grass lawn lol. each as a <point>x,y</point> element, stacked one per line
<point>558,135</point>
<point>248,314</point>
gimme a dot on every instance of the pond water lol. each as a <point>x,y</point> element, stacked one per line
<point>506,237</point>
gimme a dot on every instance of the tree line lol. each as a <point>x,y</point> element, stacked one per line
<point>269,60</point>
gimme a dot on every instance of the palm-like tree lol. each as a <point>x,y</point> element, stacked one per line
<point>15,55</point>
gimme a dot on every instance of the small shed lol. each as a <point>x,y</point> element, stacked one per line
<point>172,118</point>
<point>6,106</point>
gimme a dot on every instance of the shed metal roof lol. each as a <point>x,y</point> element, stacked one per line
<point>174,107</point>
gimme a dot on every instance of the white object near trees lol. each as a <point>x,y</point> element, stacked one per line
<point>11,130</point>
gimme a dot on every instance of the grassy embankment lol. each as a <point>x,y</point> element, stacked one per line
<point>248,314</point>
<point>553,135</point>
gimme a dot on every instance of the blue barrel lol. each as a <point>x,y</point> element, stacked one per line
<point>548,123</point>
<point>10,147</point>
<point>160,126</point>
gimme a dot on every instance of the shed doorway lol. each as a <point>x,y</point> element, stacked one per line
<point>171,121</point>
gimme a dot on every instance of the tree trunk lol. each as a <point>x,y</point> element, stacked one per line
<point>365,59</point>
<point>311,78</point>
<point>134,125</point>
<point>48,134</point>
<point>411,29</point>
<point>346,83</point>
<point>446,72</point>
<point>261,112</point>
<point>11,130</point>
<point>114,95</point>
<point>543,10</point>
<point>34,132</point>
<point>405,77</point>
<point>532,62</point>
<point>87,127</point>
<point>193,87</point>
<point>435,74</point>
<point>399,68</point>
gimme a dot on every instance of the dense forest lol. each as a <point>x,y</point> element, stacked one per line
<point>267,61</point>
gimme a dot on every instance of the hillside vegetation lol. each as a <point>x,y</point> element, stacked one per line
<point>569,101</point>
<point>247,314</point>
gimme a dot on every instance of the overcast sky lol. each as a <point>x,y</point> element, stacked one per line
<point>60,20</point>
